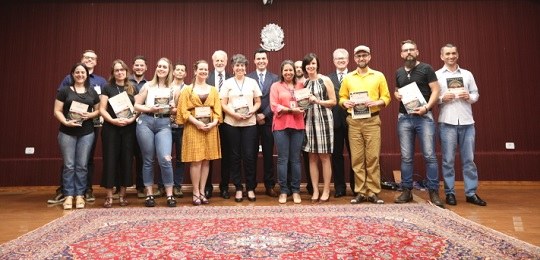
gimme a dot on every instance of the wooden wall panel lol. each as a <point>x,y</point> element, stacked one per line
<point>498,42</point>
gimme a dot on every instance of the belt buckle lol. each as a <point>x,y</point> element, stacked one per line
<point>157,116</point>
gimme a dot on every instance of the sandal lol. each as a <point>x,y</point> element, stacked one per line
<point>108,202</point>
<point>123,201</point>
<point>358,199</point>
<point>171,202</point>
<point>196,200</point>
<point>150,201</point>
<point>204,200</point>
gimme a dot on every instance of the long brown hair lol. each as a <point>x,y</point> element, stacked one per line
<point>128,86</point>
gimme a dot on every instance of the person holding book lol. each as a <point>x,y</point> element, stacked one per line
<point>118,134</point>
<point>240,100</point>
<point>75,108</point>
<point>200,113</point>
<point>89,59</point>
<point>419,122</point>
<point>456,125</point>
<point>154,131</point>
<point>319,124</point>
<point>365,132</point>
<point>288,129</point>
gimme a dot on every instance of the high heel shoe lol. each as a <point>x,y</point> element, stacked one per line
<point>325,200</point>
<point>123,201</point>
<point>204,200</point>
<point>251,198</point>
<point>238,197</point>
<point>196,200</point>
<point>108,202</point>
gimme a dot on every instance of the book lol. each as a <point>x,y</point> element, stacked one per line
<point>121,105</point>
<point>203,114</point>
<point>302,98</point>
<point>76,110</point>
<point>160,97</point>
<point>240,105</point>
<point>411,97</point>
<point>455,86</point>
<point>360,110</point>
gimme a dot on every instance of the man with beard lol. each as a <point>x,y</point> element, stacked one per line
<point>365,133</point>
<point>420,122</point>
<point>456,124</point>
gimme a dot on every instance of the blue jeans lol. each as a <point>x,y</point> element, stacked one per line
<point>289,146</point>
<point>451,137</point>
<point>409,126</point>
<point>75,151</point>
<point>154,136</point>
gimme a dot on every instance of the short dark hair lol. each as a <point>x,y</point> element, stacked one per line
<point>260,50</point>
<point>307,59</point>
<point>139,57</point>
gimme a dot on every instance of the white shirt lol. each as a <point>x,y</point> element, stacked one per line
<point>457,111</point>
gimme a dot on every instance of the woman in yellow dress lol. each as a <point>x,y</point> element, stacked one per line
<point>200,112</point>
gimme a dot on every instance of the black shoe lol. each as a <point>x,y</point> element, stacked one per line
<point>339,194</point>
<point>375,199</point>
<point>208,193</point>
<point>150,201</point>
<point>252,199</point>
<point>89,195</point>
<point>435,199</point>
<point>451,199</point>
<point>474,199</point>
<point>171,202</point>
<point>225,194</point>
<point>358,199</point>
<point>271,192</point>
<point>406,196</point>
<point>58,198</point>
<point>239,196</point>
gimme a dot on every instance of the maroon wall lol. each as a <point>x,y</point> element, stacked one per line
<point>498,42</point>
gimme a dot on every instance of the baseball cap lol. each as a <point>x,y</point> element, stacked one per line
<point>361,48</point>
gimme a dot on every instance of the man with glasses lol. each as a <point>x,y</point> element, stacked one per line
<point>418,123</point>
<point>89,58</point>
<point>365,132</point>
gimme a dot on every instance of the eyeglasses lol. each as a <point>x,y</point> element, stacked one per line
<point>364,55</point>
<point>90,57</point>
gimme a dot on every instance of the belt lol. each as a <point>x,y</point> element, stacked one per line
<point>158,115</point>
<point>375,113</point>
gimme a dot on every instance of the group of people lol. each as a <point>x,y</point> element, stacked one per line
<point>300,112</point>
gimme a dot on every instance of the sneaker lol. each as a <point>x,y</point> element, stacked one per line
<point>177,192</point>
<point>79,202</point>
<point>68,203</point>
<point>89,195</point>
<point>141,194</point>
<point>58,198</point>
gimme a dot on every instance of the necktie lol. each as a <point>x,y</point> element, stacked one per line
<point>261,80</point>
<point>220,80</point>
<point>340,78</point>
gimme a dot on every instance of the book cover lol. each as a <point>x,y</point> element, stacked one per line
<point>203,114</point>
<point>122,106</point>
<point>455,86</point>
<point>411,97</point>
<point>160,97</point>
<point>360,110</point>
<point>240,105</point>
<point>76,110</point>
<point>302,98</point>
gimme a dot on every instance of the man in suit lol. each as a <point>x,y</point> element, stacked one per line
<point>216,78</point>
<point>264,118</point>
<point>341,60</point>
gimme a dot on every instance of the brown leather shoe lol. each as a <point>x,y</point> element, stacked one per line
<point>270,192</point>
<point>435,199</point>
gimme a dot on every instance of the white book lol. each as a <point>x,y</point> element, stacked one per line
<point>411,97</point>
<point>76,110</point>
<point>121,104</point>
<point>360,110</point>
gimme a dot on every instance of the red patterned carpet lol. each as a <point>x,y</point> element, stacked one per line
<point>412,231</point>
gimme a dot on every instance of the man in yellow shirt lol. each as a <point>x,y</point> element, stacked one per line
<point>363,93</point>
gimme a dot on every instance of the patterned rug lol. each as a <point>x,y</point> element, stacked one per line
<point>412,231</point>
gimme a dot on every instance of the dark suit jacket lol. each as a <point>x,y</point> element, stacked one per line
<point>211,78</point>
<point>338,112</point>
<point>269,79</point>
